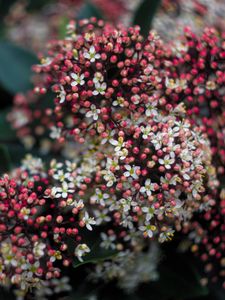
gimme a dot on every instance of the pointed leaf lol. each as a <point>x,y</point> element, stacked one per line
<point>15,67</point>
<point>89,10</point>
<point>145,14</point>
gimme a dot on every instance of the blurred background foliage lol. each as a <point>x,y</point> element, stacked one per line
<point>179,272</point>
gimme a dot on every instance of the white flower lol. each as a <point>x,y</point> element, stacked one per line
<point>99,88</point>
<point>131,171</point>
<point>32,269</point>
<point>78,79</point>
<point>122,154</point>
<point>112,163</point>
<point>92,55</point>
<point>168,160</point>
<point>151,109</point>
<point>63,190</point>
<point>119,102</point>
<point>145,131</point>
<point>55,132</point>
<point>102,216</point>
<point>93,113</point>
<point>61,176</point>
<point>149,212</point>
<point>78,204</point>
<point>166,236</point>
<point>62,94</point>
<point>88,221</point>
<point>148,229</point>
<point>148,188</point>
<point>39,249</point>
<point>81,250</point>
<point>107,241</point>
<point>45,62</point>
<point>126,204</point>
<point>157,141</point>
<point>109,138</point>
<point>173,84</point>
<point>119,144</point>
<point>186,155</point>
<point>98,77</point>
<point>99,197</point>
<point>172,181</point>
<point>109,177</point>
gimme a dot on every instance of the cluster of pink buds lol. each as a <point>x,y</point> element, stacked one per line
<point>152,174</point>
<point>196,74</point>
<point>100,74</point>
<point>109,91</point>
<point>39,218</point>
<point>209,241</point>
<point>146,160</point>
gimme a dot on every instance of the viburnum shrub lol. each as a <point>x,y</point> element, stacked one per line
<point>40,218</point>
<point>143,112</point>
<point>108,85</point>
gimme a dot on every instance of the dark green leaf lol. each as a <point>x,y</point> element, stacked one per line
<point>15,67</point>
<point>89,10</point>
<point>62,27</point>
<point>6,133</point>
<point>5,162</point>
<point>145,14</point>
<point>92,239</point>
<point>97,254</point>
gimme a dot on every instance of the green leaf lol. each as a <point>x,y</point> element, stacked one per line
<point>97,254</point>
<point>5,161</point>
<point>93,241</point>
<point>15,67</point>
<point>89,10</point>
<point>64,21</point>
<point>145,14</point>
<point>6,132</point>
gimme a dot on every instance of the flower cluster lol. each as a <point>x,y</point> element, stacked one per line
<point>208,235</point>
<point>173,16</point>
<point>155,180</point>
<point>196,74</point>
<point>109,83</point>
<point>100,74</point>
<point>145,166</point>
<point>40,223</point>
